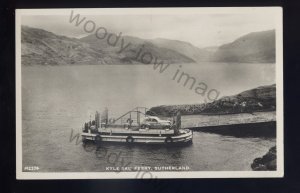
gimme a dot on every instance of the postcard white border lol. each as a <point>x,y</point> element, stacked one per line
<point>277,11</point>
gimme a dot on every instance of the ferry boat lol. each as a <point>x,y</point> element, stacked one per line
<point>136,127</point>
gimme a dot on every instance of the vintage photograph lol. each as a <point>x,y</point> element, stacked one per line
<point>147,93</point>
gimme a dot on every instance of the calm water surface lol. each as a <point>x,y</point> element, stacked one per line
<point>57,100</point>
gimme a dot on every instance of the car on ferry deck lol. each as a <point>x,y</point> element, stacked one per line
<point>152,122</point>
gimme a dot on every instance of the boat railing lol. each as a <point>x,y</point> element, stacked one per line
<point>133,116</point>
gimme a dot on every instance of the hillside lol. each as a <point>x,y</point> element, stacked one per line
<point>258,99</point>
<point>253,47</point>
<point>40,47</point>
<point>185,48</point>
<point>136,44</point>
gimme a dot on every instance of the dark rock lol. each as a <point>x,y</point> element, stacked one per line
<point>265,163</point>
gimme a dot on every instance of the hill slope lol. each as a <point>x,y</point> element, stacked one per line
<point>185,48</point>
<point>253,47</point>
<point>258,99</point>
<point>40,47</point>
<point>136,44</point>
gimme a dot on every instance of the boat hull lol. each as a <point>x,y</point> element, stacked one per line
<point>184,137</point>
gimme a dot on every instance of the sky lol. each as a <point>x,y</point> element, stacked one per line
<point>203,30</point>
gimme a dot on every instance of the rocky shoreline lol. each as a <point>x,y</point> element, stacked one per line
<point>260,99</point>
<point>266,162</point>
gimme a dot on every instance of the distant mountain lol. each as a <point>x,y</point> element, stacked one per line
<point>185,48</point>
<point>258,99</point>
<point>40,47</point>
<point>211,49</point>
<point>253,47</point>
<point>136,44</point>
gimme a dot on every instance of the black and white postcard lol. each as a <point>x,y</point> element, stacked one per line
<point>135,93</point>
